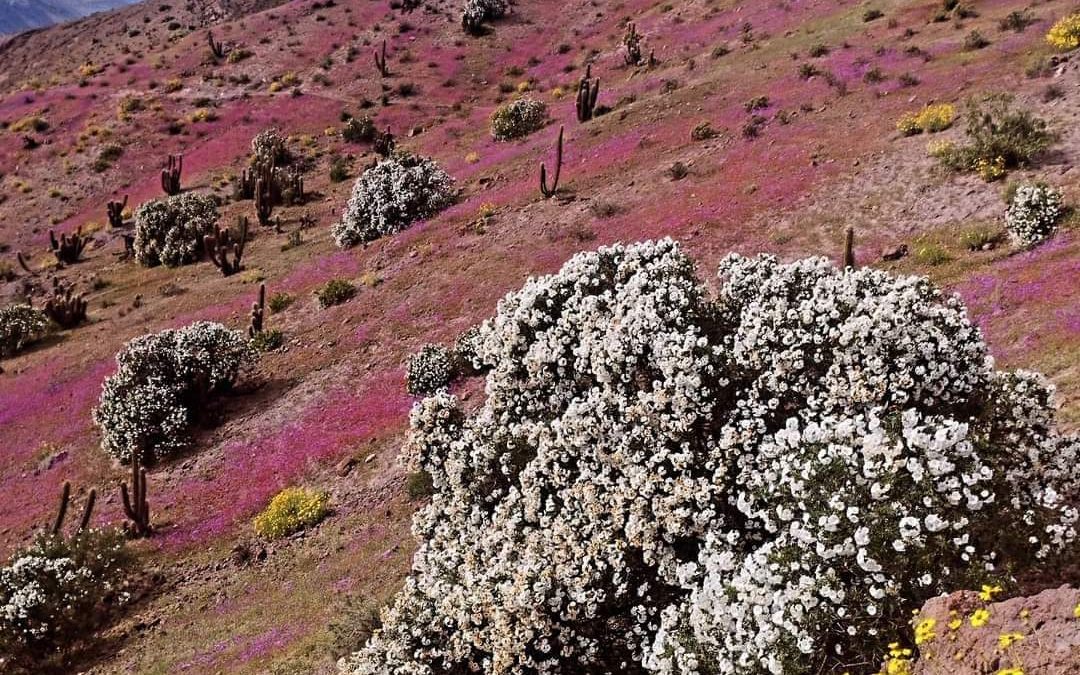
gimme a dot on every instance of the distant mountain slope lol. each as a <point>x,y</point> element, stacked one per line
<point>20,15</point>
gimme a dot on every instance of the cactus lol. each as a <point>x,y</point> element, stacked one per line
<point>69,247</point>
<point>136,508</point>
<point>544,189</point>
<point>588,90</point>
<point>264,200</point>
<point>380,62</point>
<point>244,184</point>
<point>384,143</point>
<point>65,308</point>
<point>65,498</point>
<point>290,186</point>
<point>24,264</point>
<point>216,48</point>
<point>632,43</point>
<point>170,176</point>
<point>116,212</point>
<point>849,249</point>
<point>219,245</point>
<point>258,311</point>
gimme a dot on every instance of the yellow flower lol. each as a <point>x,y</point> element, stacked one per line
<point>896,666</point>
<point>1011,671</point>
<point>988,592</point>
<point>290,510</point>
<point>1076,611</point>
<point>924,632</point>
<point>980,617</point>
<point>1006,640</point>
<point>1065,35</point>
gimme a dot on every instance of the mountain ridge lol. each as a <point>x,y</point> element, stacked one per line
<point>17,16</point>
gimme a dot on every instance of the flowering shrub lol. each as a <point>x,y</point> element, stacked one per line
<point>429,370</point>
<point>1032,214</point>
<point>390,196</point>
<point>54,593</point>
<point>269,147</point>
<point>517,119</point>
<point>19,326</point>
<point>1065,34</point>
<point>999,138</point>
<point>466,351</point>
<point>765,481</point>
<point>335,292</point>
<point>933,118</point>
<point>291,510</point>
<point>169,231</point>
<point>475,12</point>
<point>163,386</point>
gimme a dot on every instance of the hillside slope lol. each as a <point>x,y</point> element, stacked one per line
<point>329,409</point>
<point>17,16</point>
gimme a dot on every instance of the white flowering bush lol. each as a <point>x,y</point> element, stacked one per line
<point>764,481</point>
<point>475,12</point>
<point>164,385</point>
<point>391,196</point>
<point>55,593</point>
<point>517,119</point>
<point>169,231</point>
<point>19,326</point>
<point>269,147</point>
<point>1032,214</point>
<point>429,370</point>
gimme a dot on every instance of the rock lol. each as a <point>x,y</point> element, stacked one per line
<point>1040,633</point>
<point>894,253</point>
<point>345,466</point>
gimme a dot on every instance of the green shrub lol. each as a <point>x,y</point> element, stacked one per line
<point>355,621</point>
<point>932,254</point>
<point>419,485</point>
<point>268,340</point>
<point>997,134</point>
<point>279,301</point>
<point>518,119</point>
<point>335,292</point>
<point>359,130</point>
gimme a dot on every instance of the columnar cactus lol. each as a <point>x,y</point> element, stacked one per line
<point>66,308</point>
<point>264,200</point>
<point>170,175</point>
<point>69,247</point>
<point>849,249</point>
<point>115,210</point>
<point>221,244</point>
<point>65,498</point>
<point>632,45</point>
<point>380,61</point>
<point>258,311</point>
<point>136,507</point>
<point>216,48</point>
<point>587,92</point>
<point>544,189</point>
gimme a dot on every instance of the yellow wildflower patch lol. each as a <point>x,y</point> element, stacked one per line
<point>290,510</point>
<point>1065,34</point>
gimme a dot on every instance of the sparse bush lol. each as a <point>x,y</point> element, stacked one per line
<point>872,15</point>
<point>974,41</point>
<point>20,325</point>
<point>932,254</point>
<point>291,510</point>
<point>55,593</point>
<point>359,130</point>
<point>429,370</point>
<point>765,480</point>
<point>419,486</point>
<point>354,623</point>
<point>163,387</point>
<point>169,231</point>
<point>703,132</point>
<point>1016,21</point>
<point>279,301</point>
<point>335,292</point>
<point>999,138</point>
<point>268,340</point>
<point>1065,34</point>
<point>339,169</point>
<point>518,119</point>
<point>1032,214</point>
<point>391,196</point>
